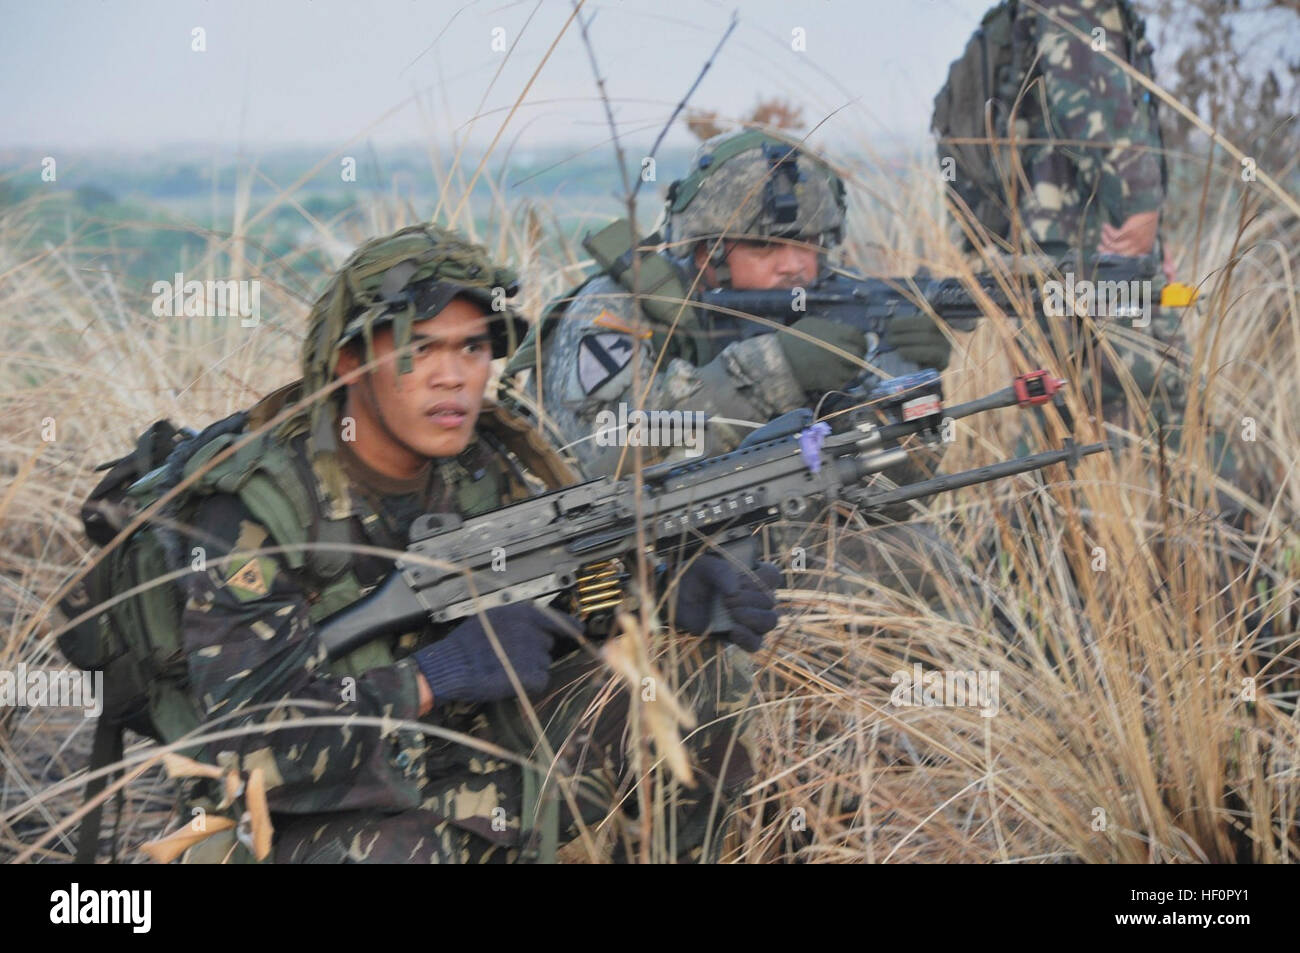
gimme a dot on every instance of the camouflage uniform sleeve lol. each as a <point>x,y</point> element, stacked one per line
<point>249,641</point>
<point>594,362</point>
<point>1091,98</point>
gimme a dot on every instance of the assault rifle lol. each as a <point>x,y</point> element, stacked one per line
<point>871,303</point>
<point>581,542</point>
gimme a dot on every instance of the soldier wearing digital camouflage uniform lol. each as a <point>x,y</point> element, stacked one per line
<point>412,436</point>
<point>754,212</point>
<point>1088,176</point>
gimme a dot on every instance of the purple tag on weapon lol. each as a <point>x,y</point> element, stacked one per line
<point>810,444</point>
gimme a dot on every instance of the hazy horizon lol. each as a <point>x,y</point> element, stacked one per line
<point>317,74</point>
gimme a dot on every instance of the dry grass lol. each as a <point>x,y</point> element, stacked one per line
<point>1121,732</point>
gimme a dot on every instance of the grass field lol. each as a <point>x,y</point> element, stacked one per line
<point>1148,685</point>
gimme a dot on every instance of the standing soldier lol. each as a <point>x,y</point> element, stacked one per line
<point>1076,164</point>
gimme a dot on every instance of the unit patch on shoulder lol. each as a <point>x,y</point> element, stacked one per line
<point>600,357</point>
<point>249,581</point>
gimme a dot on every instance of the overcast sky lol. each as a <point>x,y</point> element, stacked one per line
<point>113,73</point>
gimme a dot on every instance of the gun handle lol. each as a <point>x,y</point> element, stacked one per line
<point>743,552</point>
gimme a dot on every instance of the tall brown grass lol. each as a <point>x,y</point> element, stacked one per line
<point>1123,731</point>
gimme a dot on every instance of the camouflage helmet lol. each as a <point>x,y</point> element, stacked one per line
<point>403,278</point>
<point>751,183</point>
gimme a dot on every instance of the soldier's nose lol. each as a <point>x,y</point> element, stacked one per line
<point>447,373</point>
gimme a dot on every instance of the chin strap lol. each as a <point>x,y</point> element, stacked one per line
<point>721,269</point>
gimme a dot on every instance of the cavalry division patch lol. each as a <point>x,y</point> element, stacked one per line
<point>600,357</point>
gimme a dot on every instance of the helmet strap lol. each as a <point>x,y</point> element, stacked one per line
<point>721,268</point>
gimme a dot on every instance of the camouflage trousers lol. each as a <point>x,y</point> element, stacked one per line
<point>475,814</point>
<point>1155,356</point>
<point>1158,358</point>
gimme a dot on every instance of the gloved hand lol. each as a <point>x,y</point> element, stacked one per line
<point>747,594</point>
<point>463,666</point>
<point>916,338</point>
<point>815,367</point>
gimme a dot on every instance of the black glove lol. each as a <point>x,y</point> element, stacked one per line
<point>463,667</point>
<point>915,337</point>
<point>747,595</point>
<point>816,367</point>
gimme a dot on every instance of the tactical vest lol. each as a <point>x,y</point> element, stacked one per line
<point>138,643</point>
<point>983,86</point>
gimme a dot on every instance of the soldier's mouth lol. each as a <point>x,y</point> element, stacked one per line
<point>449,419</point>
<point>447,415</point>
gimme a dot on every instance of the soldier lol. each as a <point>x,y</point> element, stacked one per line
<point>1088,174</point>
<point>409,325</point>
<point>754,212</point>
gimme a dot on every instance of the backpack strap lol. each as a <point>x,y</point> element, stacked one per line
<point>616,246</point>
<point>613,248</point>
<point>106,749</point>
<point>539,817</point>
<point>1019,65</point>
<point>277,486</point>
<point>541,814</point>
<point>518,436</point>
<point>525,356</point>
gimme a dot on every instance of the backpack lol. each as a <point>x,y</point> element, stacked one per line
<point>136,640</point>
<point>134,637</point>
<point>975,104</point>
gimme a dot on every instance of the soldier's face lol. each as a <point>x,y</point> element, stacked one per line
<point>759,265</point>
<point>404,419</point>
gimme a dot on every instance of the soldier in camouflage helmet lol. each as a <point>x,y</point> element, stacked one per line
<point>410,324</point>
<point>753,187</point>
<point>755,212</point>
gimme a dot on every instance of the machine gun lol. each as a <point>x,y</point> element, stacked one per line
<point>581,542</point>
